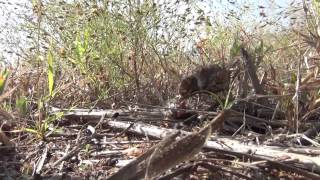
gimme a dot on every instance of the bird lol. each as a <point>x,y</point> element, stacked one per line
<point>212,78</point>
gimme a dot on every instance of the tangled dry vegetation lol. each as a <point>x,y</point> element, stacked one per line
<point>97,97</point>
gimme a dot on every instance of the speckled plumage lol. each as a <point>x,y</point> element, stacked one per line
<point>212,78</point>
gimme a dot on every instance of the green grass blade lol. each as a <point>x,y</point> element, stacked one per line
<point>50,73</point>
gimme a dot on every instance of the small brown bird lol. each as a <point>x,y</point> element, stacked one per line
<point>211,78</point>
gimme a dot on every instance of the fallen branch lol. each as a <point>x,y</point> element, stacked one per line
<point>228,144</point>
<point>168,153</point>
<point>311,163</point>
